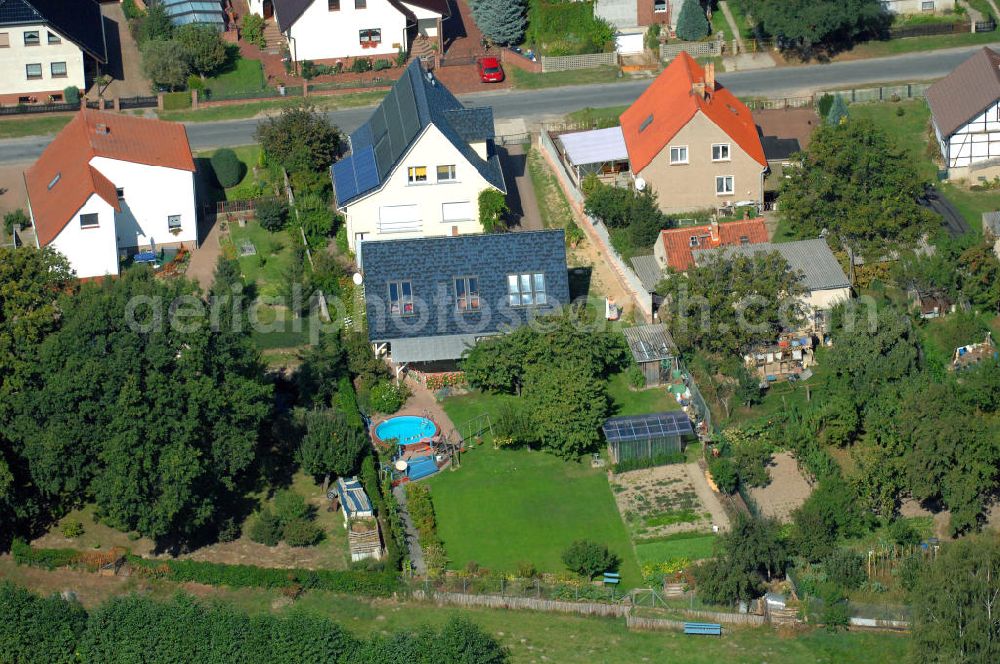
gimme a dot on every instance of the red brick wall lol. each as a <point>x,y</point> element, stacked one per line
<point>646,16</point>
<point>509,57</point>
<point>42,97</point>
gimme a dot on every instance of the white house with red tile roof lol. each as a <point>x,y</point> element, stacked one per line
<point>111,185</point>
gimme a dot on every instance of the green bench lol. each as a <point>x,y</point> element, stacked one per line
<point>710,629</point>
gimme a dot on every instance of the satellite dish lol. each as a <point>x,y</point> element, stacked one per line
<point>401,465</point>
<point>357,278</point>
<point>640,184</point>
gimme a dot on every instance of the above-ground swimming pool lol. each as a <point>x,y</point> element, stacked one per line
<point>406,429</point>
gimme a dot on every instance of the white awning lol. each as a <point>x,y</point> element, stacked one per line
<point>431,349</point>
<point>595,147</point>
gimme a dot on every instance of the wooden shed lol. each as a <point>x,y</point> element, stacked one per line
<point>653,350</point>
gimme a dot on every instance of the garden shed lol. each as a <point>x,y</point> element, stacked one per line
<point>646,436</point>
<point>653,350</point>
<point>353,499</point>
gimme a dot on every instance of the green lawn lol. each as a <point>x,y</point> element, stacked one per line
<point>267,268</point>
<point>244,76</point>
<point>694,546</point>
<point>32,125</point>
<point>880,49</point>
<point>553,206</point>
<point>626,401</point>
<point>529,81</point>
<point>600,117</point>
<point>246,188</point>
<point>506,506</point>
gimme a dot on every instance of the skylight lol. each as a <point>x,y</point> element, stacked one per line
<point>645,123</point>
<point>54,180</point>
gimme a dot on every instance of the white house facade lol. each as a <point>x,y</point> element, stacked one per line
<point>44,49</point>
<point>417,166</point>
<point>110,186</point>
<point>320,30</point>
<point>965,115</point>
<point>917,6</point>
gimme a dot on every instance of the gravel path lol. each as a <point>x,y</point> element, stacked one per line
<point>416,554</point>
<point>708,497</point>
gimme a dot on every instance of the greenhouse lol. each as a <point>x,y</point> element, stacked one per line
<point>646,436</point>
<point>207,12</point>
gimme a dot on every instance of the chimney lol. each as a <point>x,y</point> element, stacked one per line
<point>710,77</point>
<point>713,228</point>
<point>698,88</point>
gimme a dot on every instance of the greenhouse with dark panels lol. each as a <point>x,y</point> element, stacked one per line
<point>646,436</point>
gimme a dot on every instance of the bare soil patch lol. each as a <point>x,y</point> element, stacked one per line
<point>786,492</point>
<point>655,502</point>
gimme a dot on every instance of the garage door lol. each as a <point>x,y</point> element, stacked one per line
<point>461,211</point>
<point>398,218</point>
<point>629,43</point>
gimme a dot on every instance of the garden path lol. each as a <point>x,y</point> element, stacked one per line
<point>203,259</point>
<point>412,543</point>
<point>707,497</point>
<point>724,6</point>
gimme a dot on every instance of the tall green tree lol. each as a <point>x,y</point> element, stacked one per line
<point>331,445</point>
<point>502,21</point>
<point>731,304</point>
<point>165,62</point>
<point>809,27</point>
<point>300,139</point>
<point>955,604</point>
<point>36,629</point>
<point>856,184</point>
<point>205,50</point>
<point>838,111</point>
<point>146,407</point>
<point>568,404</point>
<point>692,23</point>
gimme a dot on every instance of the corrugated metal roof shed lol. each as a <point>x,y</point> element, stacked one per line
<point>812,257</point>
<point>650,343</point>
<point>648,269</point>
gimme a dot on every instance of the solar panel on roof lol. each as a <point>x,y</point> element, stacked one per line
<point>642,427</point>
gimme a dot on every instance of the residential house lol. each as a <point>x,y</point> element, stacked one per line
<point>327,30</point>
<point>965,114</point>
<point>824,279</point>
<point>110,185</point>
<point>417,165</point>
<point>429,299</point>
<point>693,142</point>
<point>675,248</point>
<point>631,18</point>
<point>917,6</point>
<point>47,46</point>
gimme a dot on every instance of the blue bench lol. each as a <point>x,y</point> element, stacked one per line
<point>711,629</point>
<point>611,578</point>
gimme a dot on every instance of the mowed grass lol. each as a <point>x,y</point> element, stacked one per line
<point>32,125</point>
<point>530,635</point>
<point>244,76</point>
<point>528,81</point>
<point>503,507</point>
<point>626,401</point>
<point>694,546</point>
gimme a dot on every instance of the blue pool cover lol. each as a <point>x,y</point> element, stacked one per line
<point>421,467</point>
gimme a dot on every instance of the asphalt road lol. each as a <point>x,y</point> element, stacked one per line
<point>535,105</point>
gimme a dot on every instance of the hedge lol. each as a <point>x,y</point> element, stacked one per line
<point>378,584</point>
<point>375,584</point>
<point>29,556</point>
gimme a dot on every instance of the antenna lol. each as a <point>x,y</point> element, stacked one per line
<point>357,278</point>
<point>640,184</point>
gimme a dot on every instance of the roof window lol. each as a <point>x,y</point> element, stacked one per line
<point>645,123</point>
<point>54,180</point>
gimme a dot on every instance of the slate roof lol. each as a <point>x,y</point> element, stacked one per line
<point>80,21</point>
<point>677,241</point>
<point>812,257</point>
<point>967,91</point>
<point>62,179</point>
<point>431,264</point>
<point>415,101</point>
<point>669,103</point>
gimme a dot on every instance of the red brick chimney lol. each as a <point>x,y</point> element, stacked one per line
<point>713,228</point>
<point>710,77</point>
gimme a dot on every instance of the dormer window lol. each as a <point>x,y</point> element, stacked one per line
<point>693,242</point>
<point>744,240</point>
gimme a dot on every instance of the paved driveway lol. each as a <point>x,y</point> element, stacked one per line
<point>124,61</point>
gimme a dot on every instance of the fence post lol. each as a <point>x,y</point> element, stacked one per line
<point>159,101</point>
<point>117,105</point>
<point>305,88</point>
<point>194,100</point>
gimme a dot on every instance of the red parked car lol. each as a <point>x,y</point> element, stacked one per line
<point>490,70</point>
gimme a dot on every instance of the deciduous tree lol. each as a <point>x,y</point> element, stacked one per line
<point>300,139</point>
<point>165,62</point>
<point>205,50</point>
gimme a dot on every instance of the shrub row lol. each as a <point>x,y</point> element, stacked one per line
<point>377,584</point>
<point>648,462</point>
<point>421,509</point>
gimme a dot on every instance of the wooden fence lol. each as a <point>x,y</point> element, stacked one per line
<point>731,618</point>
<point>585,61</point>
<point>523,603</point>
<point>653,624</point>
<point>695,49</point>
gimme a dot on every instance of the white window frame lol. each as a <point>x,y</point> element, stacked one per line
<point>725,180</point>
<point>469,301</point>
<point>723,148</point>
<point>680,149</point>
<point>402,304</point>
<point>173,222</point>
<point>925,8</point>
<point>451,177</point>
<point>93,215</point>
<point>659,6</point>
<point>526,290</point>
<point>412,177</point>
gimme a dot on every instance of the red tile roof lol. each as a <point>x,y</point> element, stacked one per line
<point>62,180</point>
<point>677,241</point>
<point>669,103</point>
